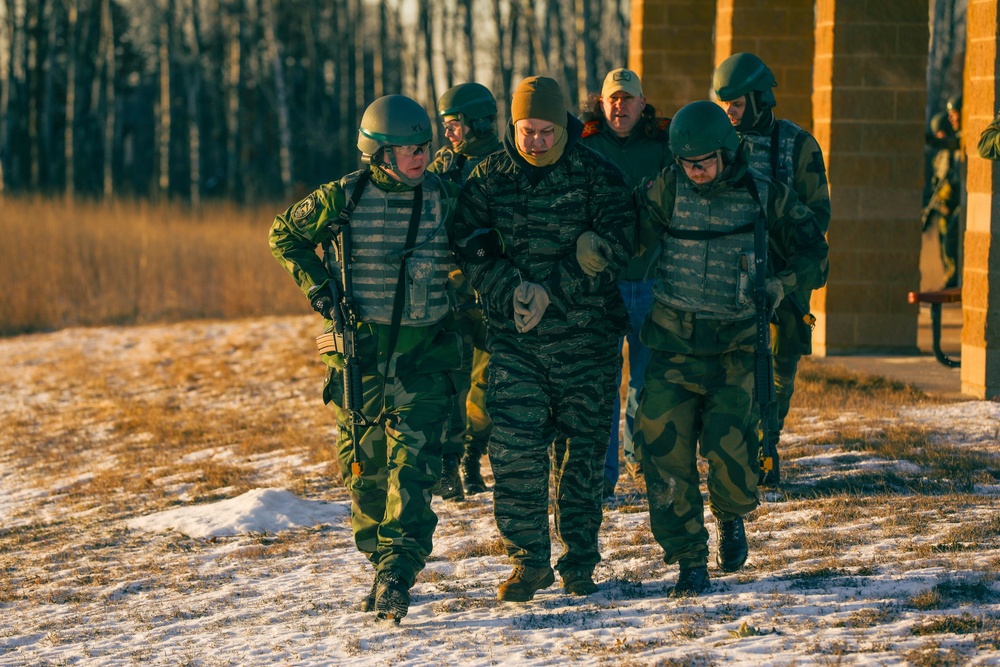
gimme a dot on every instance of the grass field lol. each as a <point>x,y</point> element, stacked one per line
<point>84,264</point>
<point>883,547</point>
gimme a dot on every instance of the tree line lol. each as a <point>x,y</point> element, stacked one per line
<point>249,100</point>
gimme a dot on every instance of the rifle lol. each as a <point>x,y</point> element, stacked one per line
<point>345,326</point>
<point>763,357</point>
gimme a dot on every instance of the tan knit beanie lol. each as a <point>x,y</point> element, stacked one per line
<point>539,97</point>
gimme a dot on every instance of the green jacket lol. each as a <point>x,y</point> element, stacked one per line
<point>312,222</point>
<point>794,236</point>
<point>455,166</point>
<point>539,213</point>
<point>989,141</point>
<point>642,154</point>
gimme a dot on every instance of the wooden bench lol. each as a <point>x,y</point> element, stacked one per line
<point>935,299</point>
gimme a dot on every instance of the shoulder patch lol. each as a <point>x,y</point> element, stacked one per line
<point>304,208</point>
<point>663,124</point>
<point>591,128</point>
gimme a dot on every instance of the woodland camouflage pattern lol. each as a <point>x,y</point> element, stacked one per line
<point>699,385</point>
<point>556,381</point>
<point>391,500</point>
<point>800,166</point>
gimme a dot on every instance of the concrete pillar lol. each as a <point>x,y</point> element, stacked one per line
<point>670,48</point>
<point>869,97</point>
<point>981,273</point>
<point>781,33</point>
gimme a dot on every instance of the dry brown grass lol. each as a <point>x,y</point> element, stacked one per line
<point>123,262</point>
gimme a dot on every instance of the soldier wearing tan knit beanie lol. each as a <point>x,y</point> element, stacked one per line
<point>538,111</point>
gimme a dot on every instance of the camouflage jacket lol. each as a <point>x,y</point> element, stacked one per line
<point>294,238</point>
<point>808,177</point>
<point>795,241</point>
<point>539,213</point>
<point>989,141</point>
<point>642,154</point>
<point>456,167</point>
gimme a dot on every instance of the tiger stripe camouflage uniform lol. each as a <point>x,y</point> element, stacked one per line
<point>413,392</point>
<point>554,383</point>
<point>787,153</point>
<point>699,385</point>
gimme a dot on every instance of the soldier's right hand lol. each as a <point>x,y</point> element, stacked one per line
<point>530,302</point>
<point>324,300</point>
<point>592,253</point>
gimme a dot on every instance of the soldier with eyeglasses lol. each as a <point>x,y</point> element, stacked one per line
<point>398,220</point>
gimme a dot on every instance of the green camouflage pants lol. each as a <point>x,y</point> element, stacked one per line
<point>558,394</point>
<point>391,513</point>
<point>691,402</point>
<point>791,338</point>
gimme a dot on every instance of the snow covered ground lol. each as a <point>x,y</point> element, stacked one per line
<point>267,574</point>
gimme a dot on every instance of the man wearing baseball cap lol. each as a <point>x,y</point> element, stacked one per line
<point>543,228</point>
<point>623,127</point>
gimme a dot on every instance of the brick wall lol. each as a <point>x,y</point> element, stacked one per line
<point>981,273</point>
<point>779,32</point>
<point>869,94</point>
<point>671,50</point>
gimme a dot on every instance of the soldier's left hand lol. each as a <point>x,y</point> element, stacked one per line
<point>530,302</point>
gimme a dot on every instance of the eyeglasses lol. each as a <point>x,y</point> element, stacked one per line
<point>452,125</point>
<point>697,165</point>
<point>411,151</point>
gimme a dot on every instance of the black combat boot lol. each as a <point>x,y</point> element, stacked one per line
<point>451,483</point>
<point>691,582</point>
<point>474,482</point>
<point>392,597</point>
<point>368,601</point>
<point>732,544</point>
<point>578,581</point>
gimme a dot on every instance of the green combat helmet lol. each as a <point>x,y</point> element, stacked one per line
<point>745,74</point>
<point>474,103</point>
<point>700,128</point>
<point>393,120</point>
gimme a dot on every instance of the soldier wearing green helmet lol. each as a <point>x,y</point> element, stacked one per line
<point>698,397</point>
<point>781,150</point>
<point>468,112</point>
<point>381,288</point>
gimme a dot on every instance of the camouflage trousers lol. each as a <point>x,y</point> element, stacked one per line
<point>550,401</point>
<point>391,513</point>
<point>790,340</point>
<point>469,425</point>
<point>693,404</point>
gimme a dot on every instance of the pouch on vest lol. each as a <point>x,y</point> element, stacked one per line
<point>419,274</point>
<point>744,280</point>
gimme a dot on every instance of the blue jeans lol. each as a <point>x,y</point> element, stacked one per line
<point>638,296</point>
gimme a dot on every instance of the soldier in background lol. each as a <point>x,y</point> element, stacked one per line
<point>624,128</point>
<point>781,150</point>
<point>989,141</point>
<point>942,211</point>
<point>699,387</point>
<point>405,337</point>
<point>543,228</point>
<point>468,112</point>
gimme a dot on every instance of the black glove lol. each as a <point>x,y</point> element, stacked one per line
<point>324,300</point>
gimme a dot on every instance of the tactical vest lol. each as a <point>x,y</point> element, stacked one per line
<point>773,154</point>
<point>378,233</point>
<point>712,277</point>
<point>454,166</point>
